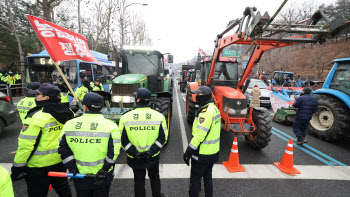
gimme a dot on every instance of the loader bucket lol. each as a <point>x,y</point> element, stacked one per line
<point>285,115</point>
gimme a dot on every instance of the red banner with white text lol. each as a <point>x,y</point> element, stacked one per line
<point>60,43</point>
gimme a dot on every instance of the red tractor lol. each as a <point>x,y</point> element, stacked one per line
<point>185,76</point>
<point>223,77</point>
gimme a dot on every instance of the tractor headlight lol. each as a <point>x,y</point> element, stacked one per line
<point>124,99</point>
<point>116,99</point>
<point>244,111</point>
<point>230,111</point>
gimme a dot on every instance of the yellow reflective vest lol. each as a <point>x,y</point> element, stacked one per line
<point>6,189</point>
<point>39,135</point>
<point>98,88</point>
<point>94,142</point>
<point>65,97</point>
<point>141,131</point>
<point>81,91</point>
<point>24,105</point>
<point>206,128</point>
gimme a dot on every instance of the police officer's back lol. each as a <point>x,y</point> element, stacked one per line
<point>205,144</point>
<point>37,144</point>
<point>90,144</point>
<point>144,132</point>
<point>28,102</point>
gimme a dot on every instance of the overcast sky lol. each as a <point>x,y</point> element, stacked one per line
<point>181,27</point>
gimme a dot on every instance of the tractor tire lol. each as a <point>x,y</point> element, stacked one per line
<point>260,138</point>
<point>190,108</point>
<point>163,105</point>
<point>332,120</point>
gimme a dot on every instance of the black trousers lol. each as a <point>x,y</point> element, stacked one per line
<point>139,181</point>
<point>38,182</point>
<point>197,172</point>
<point>87,188</point>
<point>299,128</point>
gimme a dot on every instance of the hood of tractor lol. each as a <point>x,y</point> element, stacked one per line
<point>130,79</point>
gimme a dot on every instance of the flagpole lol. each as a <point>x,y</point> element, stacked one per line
<point>69,87</point>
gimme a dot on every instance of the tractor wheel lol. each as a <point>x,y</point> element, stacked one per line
<point>190,108</point>
<point>332,119</point>
<point>260,138</point>
<point>163,105</point>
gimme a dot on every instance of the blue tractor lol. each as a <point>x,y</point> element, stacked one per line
<point>332,120</point>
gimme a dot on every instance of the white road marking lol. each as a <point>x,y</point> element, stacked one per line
<point>253,171</point>
<point>183,96</point>
<point>182,126</point>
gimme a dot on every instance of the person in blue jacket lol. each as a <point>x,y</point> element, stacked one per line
<point>307,105</point>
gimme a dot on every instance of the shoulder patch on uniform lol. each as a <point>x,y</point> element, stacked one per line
<point>25,127</point>
<point>204,110</point>
<point>201,120</point>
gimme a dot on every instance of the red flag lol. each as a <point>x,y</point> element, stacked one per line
<point>60,43</point>
<point>200,51</point>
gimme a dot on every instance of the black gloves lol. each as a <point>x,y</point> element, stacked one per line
<point>188,154</point>
<point>74,170</point>
<point>143,156</point>
<point>100,176</point>
<point>18,173</point>
<point>187,159</point>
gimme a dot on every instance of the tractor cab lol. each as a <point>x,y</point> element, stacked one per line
<point>226,72</point>
<point>280,77</point>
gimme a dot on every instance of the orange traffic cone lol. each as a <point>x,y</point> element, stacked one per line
<point>286,165</point>
<point>232,165</point>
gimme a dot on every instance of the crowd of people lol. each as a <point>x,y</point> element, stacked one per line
<point>52,139</point>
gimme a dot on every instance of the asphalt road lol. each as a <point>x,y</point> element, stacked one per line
<point>319,163</point>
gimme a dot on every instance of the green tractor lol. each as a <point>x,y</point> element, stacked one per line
<point>141,68</point>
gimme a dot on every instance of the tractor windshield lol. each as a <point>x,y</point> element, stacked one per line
<point>341,79</point>
<point>143,64</point>
<point>226,71</point>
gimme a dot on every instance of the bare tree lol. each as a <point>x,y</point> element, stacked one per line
<point>47,6</point>
<point>14,30</point>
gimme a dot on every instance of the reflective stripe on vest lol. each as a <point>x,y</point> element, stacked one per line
<point>19,164</point>
<point>92,163</point>
<point>28,137</point>
<point>68,159</point>
<point>216,117</point>
<point>45,152</point>
<point>116,141</point>
<point>131,123</point>
<point>25,108</point>
<point>193,147</point>
<point>127,146</point>
<point>211,141</point>
<point>110,160</point>
<point>50,124</point>
<point>143,148</point>
<point>202,128</point>
<point>159,144</point>
<point>87,134</point>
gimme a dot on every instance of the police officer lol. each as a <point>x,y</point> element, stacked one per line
<point>64,91</point>
<point>90,144</point>
<point>144,132</point>
<point>28,102</point>
<point>38,141</point>
<point>205,144</point>
<point>83,89</point>
<point>97,86</point>
<point>5,183</point>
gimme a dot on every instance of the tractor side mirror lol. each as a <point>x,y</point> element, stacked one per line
<point>170,59</point>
